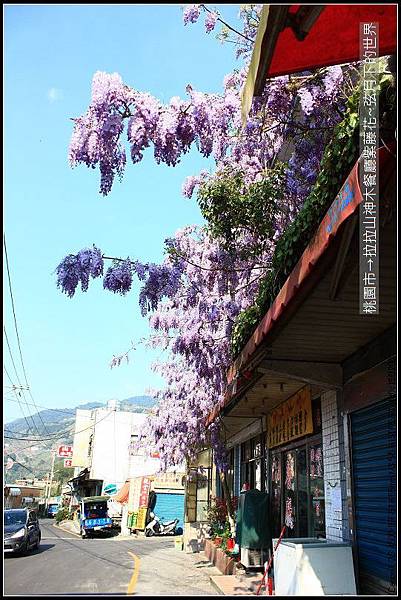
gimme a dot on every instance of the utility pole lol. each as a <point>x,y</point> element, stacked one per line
<point>51,478</point>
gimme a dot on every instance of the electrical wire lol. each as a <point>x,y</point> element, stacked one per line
<point>18,397</point>
<point>16,330</point>
<point>24,466</point>
<point>67,411</point>
<point>58,434</point>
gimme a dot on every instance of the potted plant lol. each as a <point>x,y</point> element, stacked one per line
<point>230,544</point>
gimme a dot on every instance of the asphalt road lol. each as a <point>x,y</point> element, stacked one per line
<point>66,564</point>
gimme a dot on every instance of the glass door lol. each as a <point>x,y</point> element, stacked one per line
<point>297,492</point>
<point>290,500</point>
<point>276,483</point>
<point>316,483</point>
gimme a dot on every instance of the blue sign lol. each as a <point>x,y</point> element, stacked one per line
<point>341,201</point>
<point>97,522</point>
<point>111,488</point>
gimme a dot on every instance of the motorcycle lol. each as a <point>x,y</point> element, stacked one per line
<point>157,527</point>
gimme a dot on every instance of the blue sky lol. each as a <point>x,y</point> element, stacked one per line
<point>50,210</point>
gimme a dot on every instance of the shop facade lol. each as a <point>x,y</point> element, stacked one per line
<point>331,474</point>
<point>370,414</point>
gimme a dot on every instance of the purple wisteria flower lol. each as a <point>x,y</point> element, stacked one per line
<point>77,268</point>
<point>210,21</point>
<point>118,278</point>
<point>191,13</point>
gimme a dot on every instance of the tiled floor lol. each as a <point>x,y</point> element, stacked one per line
<point>237,585</point>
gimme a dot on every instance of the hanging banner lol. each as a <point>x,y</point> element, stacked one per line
<point>291,419</point>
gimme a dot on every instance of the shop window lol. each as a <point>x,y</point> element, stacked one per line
<point>230,471</point>
<point>276,483</point>
<point>302,492</point>
<point>317,491</point>
<point>289,494</point>
<point>317,415</point>
<point>297,491</point>
<point>202,494</point>
<point>252,463</point>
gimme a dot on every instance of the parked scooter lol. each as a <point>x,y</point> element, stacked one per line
<point>156,527</point>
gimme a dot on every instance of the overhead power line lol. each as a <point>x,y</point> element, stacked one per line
<point>59,410</point>
<point>24,466</point>
<point>16,329</point>
<point>56,435</point>
<point>18,399</point>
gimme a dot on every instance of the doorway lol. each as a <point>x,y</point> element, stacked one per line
<point>297,490</point>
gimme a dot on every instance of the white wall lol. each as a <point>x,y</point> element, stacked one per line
<point>83,430</point>
<point>334,500</point>
<point>111,442</point>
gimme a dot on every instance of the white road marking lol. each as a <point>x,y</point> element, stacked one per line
<point>56,538</point>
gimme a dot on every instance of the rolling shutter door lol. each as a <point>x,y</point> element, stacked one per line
<point>374,466</point>
<point>169,507</point>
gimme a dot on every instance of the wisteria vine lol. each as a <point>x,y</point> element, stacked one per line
<point>196,293</point>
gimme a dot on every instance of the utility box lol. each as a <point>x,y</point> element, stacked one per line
<point>313,567</point>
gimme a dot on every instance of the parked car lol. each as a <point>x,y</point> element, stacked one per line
<point>21,530</point>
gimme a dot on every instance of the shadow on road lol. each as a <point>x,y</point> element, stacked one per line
<point>42,548</point>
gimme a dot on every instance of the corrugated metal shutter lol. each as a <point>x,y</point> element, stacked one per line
<point>169,507</point>
<point>374,456</point>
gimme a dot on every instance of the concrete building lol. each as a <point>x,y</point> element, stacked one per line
<point>23,495</point>
<point>101,455</point>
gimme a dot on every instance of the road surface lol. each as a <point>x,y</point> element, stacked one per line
<point>66,564</point>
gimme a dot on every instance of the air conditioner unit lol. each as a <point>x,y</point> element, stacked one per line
<point>254,557</point>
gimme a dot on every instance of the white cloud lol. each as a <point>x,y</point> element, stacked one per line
<point>54,94</point>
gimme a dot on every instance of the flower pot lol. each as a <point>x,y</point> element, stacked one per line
<point>230,544</point>
<point>218,540</point>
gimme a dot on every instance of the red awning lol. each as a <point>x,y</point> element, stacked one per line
<point>344,205</point>
<point>122,494</point>
<point>333,38</point>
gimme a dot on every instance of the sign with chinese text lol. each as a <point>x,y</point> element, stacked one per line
<point>68,462</point>
<point>368,175</point>
<point>291,420</point>
<point>144,493</point>
<point>64,451</point>
<point>141,518</point>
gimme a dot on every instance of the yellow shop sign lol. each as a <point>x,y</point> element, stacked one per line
<point>141,518</point>
<point>291,419</point>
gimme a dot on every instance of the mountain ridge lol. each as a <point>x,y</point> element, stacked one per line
<point>48,423</point>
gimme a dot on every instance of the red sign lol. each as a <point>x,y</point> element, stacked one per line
<point>144,494</point>
<point>64,452</point>
<point>67,462</point>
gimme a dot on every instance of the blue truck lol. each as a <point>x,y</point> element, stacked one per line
<point>94,516</point>
<point>52,510</point>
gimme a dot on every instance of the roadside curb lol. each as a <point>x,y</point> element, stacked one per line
<point>215,586</point>
<point>66,530</point>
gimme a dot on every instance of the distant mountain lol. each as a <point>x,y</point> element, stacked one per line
<point>58,424</point>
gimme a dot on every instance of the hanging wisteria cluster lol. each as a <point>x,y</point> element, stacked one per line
<point>197,292</point>
<point>213,122</point>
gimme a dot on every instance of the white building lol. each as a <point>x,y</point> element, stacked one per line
<point>102,441</point>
